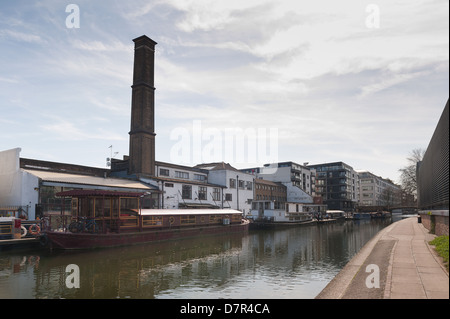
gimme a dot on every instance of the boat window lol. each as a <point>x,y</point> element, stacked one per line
<point>98,207</point>
<point>215,219</point>
<point>128,206</point>
<point>107,208</point>
<point>148,221</point>
<point>188,219</point>
<point>84,207</point>
<point>91,208</point>
<point>115,208</point>
<point>74,210</point>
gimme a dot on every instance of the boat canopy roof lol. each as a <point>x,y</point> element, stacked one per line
<point>97,192</point>
<point>148,212</point>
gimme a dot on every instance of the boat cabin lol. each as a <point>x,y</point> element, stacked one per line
<point>121,211</point>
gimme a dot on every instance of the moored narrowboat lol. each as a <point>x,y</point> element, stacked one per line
<point>109,219</point>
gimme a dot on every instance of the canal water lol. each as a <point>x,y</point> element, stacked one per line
<point>286,263</point>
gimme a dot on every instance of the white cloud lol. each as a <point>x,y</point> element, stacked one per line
<point>21,36</point>
<point>65,130</point>
<point>101,46</point>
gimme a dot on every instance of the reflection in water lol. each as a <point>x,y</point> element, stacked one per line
<point>289,263</point>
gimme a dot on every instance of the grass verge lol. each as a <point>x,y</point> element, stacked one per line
<point>441,246</point>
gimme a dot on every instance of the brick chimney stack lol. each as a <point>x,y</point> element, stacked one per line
<point>142,131</point>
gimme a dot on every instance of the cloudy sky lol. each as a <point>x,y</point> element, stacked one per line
<point>363,82</point>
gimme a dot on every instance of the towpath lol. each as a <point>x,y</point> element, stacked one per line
<point>398,263</point>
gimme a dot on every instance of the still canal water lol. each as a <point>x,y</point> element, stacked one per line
<point>289,263</point>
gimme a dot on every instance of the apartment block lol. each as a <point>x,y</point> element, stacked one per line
<point>377,191</point>
<point>338,185</point>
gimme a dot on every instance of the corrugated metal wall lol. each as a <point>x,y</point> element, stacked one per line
<point>432,172</point>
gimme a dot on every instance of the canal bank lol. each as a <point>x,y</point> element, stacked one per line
<point>397,263</point>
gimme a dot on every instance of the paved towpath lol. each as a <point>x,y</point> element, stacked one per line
<point>398,263</point>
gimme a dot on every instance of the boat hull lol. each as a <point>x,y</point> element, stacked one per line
<point>66,240</point>
<point>270,225</point>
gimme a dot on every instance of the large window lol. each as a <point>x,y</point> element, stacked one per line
<point>202,191</point>
<point>186,192</point>
<point>199,177</point>
<point>216,194</point>
<point>179,174</point>
<point>163,172</point>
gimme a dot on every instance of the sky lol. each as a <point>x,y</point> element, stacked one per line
<point>246,82</point>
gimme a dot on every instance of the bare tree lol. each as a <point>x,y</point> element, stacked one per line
<point>408,177</point>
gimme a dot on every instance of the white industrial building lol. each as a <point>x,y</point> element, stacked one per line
<point>185,187</point>
<point>28,190</point>
<point>298,179</point>
<point>238,186</point>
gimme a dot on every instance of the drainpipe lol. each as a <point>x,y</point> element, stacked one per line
<point>237,190</point>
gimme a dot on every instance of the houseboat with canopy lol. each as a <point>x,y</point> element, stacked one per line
<point>265,214</point>
<point>100,218</point>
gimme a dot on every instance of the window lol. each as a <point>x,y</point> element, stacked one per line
<point>232,183</point>
<point>249,186</point>
<point>229,197</point>
<point>188,219</point>
<point>181,175</point>
<point>214,219</point>
<point>199,177</point>
<point>202,191</point>
<point>148,221</point>
<point>216,194</point>
<point>168,184</point>
<point>186,192</point>
<point>241,184</point>
<point>163,172</point>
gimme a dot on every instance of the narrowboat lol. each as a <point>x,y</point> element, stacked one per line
<point>100,218</point>
<point>361,216</point>
<point>267,214</point>
<point>380,214</point>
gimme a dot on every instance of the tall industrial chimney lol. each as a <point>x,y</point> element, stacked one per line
<point>142,131</point>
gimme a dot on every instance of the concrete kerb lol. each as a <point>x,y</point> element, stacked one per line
<point>337,287</point>
<point>429,237</point>
<point>387,288</point>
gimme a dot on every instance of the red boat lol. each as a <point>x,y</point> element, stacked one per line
<point>109,219</point>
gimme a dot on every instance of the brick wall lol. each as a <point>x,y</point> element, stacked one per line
<point>435,221</point>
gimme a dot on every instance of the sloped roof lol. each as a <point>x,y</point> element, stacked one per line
<point>217,166</point>
<point>80,179</point>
